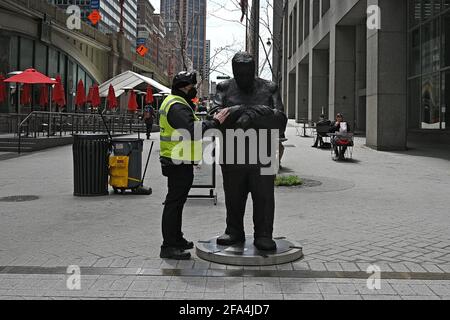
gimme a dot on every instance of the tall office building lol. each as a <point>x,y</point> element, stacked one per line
<point>391,80</point>
<point>188,17</point>
<point>110,13</point>
<point>206,69</point>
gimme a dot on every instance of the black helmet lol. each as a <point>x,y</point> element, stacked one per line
<point>184,79</point>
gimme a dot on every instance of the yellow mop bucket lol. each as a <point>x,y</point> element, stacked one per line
<point>118,171</point>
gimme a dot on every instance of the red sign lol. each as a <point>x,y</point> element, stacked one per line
<point>142,50</point>
<point>94,17</point>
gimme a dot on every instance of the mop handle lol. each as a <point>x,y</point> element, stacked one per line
<point>148,161</point>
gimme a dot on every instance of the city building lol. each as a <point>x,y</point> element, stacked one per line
<point>207,70</point>
<point>34,34</point>
<point>110,14</point>
<point>384,64</point>
<point>188,18</point>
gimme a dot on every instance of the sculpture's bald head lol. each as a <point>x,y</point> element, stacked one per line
<point>244,69</point>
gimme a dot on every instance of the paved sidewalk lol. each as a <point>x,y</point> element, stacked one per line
<point>388,209</point>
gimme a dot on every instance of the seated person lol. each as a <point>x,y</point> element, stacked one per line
<point>319,140</point>
<point>342,127</point>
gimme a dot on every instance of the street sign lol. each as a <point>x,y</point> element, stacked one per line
<point>95,17</point>
<point>95,4</point>
<point>140,41</point>
<point>142,50</point>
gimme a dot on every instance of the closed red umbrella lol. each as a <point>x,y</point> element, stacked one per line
<point>89,96</point>
<point>31,76</point>
<point>25,97</point>
<point>80,98</point>
<point>132,102</point>
<point>59,97</point>
<point>149,98</point>
<point>112,100</point>
<point>96,101</point>
<point>43,96</point>
<point>2,89</point>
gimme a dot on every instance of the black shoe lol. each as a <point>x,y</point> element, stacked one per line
<point>183,244</point>
<point>265,244</point>
<point>172,253</point>
<point>229,240</point>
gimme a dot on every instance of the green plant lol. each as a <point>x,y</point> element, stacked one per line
<point>288,181</point>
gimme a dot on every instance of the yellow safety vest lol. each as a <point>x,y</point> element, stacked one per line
<point>173,146</point>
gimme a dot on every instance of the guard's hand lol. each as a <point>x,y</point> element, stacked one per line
<point>222,115</point>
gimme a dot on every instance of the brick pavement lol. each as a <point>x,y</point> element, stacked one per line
<point>390,209</point>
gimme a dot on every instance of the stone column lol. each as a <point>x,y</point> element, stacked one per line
<point>342,72</point>
<point>386,78</point>
<point>318,84</point>
<point>302,91</point>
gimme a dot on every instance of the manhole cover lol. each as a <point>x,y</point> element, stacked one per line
<point>19,198</point>
<point>290,146</point>
<point>307,183</point>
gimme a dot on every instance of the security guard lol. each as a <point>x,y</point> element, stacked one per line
<point>178,156</point>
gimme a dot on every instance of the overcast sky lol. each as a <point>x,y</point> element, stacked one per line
<point>224,29</point>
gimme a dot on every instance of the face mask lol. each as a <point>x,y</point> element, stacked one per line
<point>192,93</point>
<point>244,74</point>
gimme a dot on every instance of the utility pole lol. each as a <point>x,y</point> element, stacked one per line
<point>253,33</point>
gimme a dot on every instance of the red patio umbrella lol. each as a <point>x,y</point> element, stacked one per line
<point>25,97</point>
<point>59,97</point>
<point>80,98</point>
<point>2,89</point>
<point>96,101</point>
<point>31,76</point>
<point>149,98</point>
<point>132,102</point>
<point>43,96</point>
<point>112,100</point>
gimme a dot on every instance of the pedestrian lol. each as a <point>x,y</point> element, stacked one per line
<point>177,113</point>
<point>319,139</point>
<point>340,127</point>
<point>149,118</point>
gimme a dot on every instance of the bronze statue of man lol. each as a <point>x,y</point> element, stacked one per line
<point>256,104</point>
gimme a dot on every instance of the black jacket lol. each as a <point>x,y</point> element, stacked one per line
<point>181,117</point>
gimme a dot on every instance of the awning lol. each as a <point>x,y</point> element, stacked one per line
<point>130,79</point>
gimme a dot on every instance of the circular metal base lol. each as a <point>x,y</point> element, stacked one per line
<point>246,254</point>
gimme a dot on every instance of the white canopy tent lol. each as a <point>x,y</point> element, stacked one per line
<point>130,79</point>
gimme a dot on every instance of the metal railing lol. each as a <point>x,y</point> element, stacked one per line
<point>41,124</point>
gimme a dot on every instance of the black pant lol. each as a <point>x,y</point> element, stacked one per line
<point>238,182</point>
<point>180,179</point>
<point>149,126</point>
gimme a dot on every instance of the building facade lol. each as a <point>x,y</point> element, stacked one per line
<point>188,17</point>
<point>110,14</point>
<point>34,34</point>
<point>384,64</point>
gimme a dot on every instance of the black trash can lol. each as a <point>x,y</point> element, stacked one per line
<point>133,149</point>
<point>90,164</point>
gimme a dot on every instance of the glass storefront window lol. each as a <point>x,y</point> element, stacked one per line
<point>430,47</point>
<point>415,11</point>
<point>40,58</point>
<point>414,53</point>
<point>414,98</point>
<point>14,54</point>
<point>431,111</point>
<point>26,53</point>
<point>445,43</point>
<point>445,105</point>
<point>52,62</point>
<point>427,9</point>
